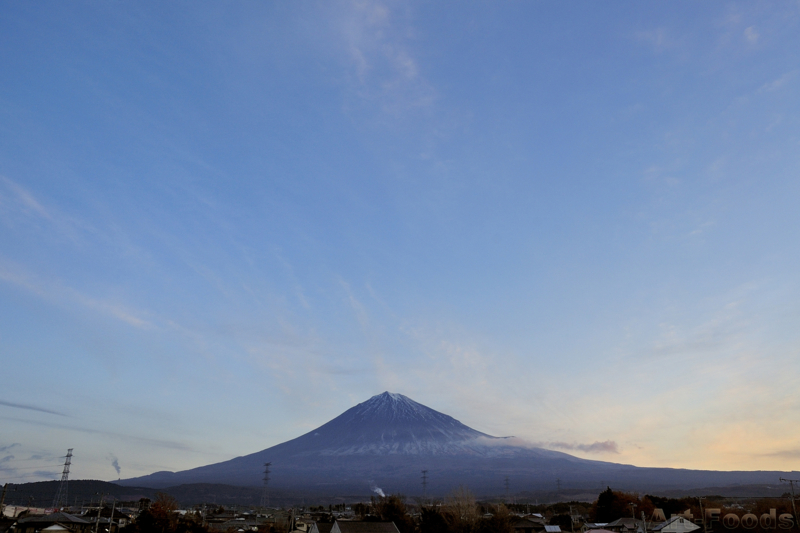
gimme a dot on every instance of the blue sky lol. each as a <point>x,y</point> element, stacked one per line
<point>223,224</point>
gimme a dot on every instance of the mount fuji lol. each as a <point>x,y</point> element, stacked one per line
<point>389,439</point>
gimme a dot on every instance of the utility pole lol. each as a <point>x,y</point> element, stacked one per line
<point>702,514</point>
<point>424,485</point>
<point>644,524</point>
<point>633,512</point>
<point>111,520</point>
<point>571,520</point>
<point>791,483</point>
<point>3,500</point>
<point>99,508</point>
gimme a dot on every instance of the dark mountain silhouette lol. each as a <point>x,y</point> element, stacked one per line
<point>388,440</point>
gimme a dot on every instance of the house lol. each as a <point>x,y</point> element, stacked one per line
<point>597,530</point>
<point>345,526</point>
<point>238,524</point>
<point>111,519</point>
<point>305,525</point>
<point>629,525</point>
<point>552,529</point>
<point>526,525</point>
<point>52,523</point>
<point>242,523</point>
<point>6,523</point>
<point>529,524</point>
<point>676,524</point>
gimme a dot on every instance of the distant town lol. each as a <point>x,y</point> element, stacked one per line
<point>102,507</point>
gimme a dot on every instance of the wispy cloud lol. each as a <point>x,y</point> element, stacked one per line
<point>30,408</point>
<point>751,35</point>
<point>6,467</point>
<point>478,387</point>
<point>24,199</point>
<point>156,443</point>
<point>358,308</point>
<point>108,308</point>
<point>606,446</point>
<point>658,38</point>
<point>721,329</point>
<point>784,454</point>
<point>15,276</point>
<point>30,464</point>
<point>57,293</point>
<point>778,83</point>
<point>18,204</point>
<point>38,474</point>
<point>384,66</point>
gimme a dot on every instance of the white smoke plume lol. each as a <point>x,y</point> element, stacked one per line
<point>115,463</point>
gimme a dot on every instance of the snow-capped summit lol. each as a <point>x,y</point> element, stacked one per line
<point>391,423</point>
<point>392,405</point>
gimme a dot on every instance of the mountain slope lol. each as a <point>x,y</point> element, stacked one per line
<point>386,424</point>
<point>388,439</point>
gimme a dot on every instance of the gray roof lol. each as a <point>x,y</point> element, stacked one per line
<point>552,529</point>
<point>527,523</point>
<point>660,526</point>
<point>366,527</point>
<point>62,518</point>
<point>630,523</point>
<point>235,522</point>
<point>537,519</point>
